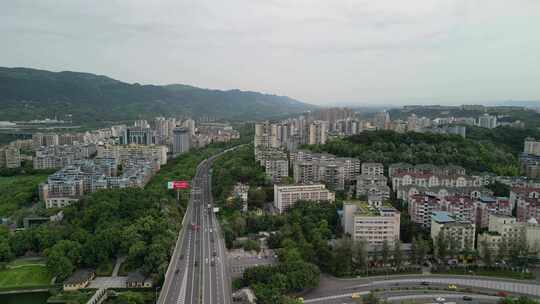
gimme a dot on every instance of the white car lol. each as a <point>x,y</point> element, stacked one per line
<point>440,299</point>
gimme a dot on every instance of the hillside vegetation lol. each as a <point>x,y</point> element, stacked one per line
<point>29,93</point>
<point>391,147</point>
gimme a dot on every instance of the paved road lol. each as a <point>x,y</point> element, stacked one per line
<point>414,296</point>
<point>198,271</point>
<point>343,289</point>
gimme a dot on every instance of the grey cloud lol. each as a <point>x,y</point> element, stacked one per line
<point>315,50</point>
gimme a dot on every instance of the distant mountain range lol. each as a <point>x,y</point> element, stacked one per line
<point>29,94</point>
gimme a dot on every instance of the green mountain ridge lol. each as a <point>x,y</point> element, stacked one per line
<point>29,94</point>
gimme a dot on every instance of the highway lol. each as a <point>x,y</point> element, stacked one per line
<point>340,291</point>
<point>198,270</point>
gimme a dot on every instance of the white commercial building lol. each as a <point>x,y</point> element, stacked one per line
<point>373,224</point>
<point>285,196</point>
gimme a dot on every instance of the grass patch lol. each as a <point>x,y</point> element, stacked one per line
<point>124,269</point>
<point>147,297</point>
<point>24,275</point>
<point>105,269</point>
<point>26,262</point>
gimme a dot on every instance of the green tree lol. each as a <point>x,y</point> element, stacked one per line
<point>5,250</point>
<point>385,252</point>
<point>342,257</point>
<point>371,298</point>
<point>441,246</point>
<point>256,198</point>
<point>502,250</point>
<point>487,254</point>
<point>252,245</point>
<point>59,266</point>
<point>360,255</point>
<point>397,254</point>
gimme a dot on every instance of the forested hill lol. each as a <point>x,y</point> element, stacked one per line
<point>30,93</point>
<point>417,148</point>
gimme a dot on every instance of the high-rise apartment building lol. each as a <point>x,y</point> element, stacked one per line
<point>137,135</point>
<point>487,121</point>
<point>531,146</point>
<point>318,132</point>
<point>10,157</point>
<point>44,139</point>
<point>181,140</point>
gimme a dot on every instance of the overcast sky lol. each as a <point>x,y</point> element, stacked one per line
<point>318,51</point>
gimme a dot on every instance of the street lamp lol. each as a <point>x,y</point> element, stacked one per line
<point>156,293</point>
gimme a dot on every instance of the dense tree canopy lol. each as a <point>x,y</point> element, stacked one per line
<point>391,147</point>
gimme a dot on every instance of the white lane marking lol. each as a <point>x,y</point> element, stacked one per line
<point>194,261</point>
<point>434,295</point>
<point>345,295</point>
<point>174,261</point>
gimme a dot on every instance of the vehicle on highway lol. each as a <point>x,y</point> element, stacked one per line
<point>177,270</point>
<point>355,295</point>
<point>196,263</point>
<point>424,283</point>
<point>502,294</point>
<point>452,286</point>
<point>467,298</point>
<point>215,253</point>
<point>440,299</point>
<point>181,257</point>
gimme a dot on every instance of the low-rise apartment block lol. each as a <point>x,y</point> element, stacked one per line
<point>81,177</point>
<point>372,169</point>
<point>54,157</point>
<point>406,192</point>
<point>527,202</point>
<point>335,172</point>
<point>277,169</point>
<point>422,207</point>
<point>286,196</point>
<point>125,152</point>
<point>274,161</point>
<point>507,229</point>
<point>453,229</point>
<point>374,224</point>
<point>372,184</point>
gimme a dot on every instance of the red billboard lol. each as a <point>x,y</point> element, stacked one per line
<point>178,185</point>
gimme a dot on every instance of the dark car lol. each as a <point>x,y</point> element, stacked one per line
<point>181,257</point>
<point>196,263</point>
<point>424,283</point>
<point>467,298</point>
<point>177,270</point>
<point>215,253</point>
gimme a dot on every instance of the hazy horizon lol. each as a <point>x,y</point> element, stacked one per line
<point>352,53</point>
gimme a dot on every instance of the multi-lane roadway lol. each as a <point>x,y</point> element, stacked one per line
<point>198,271</point>
<point>340,291</point>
